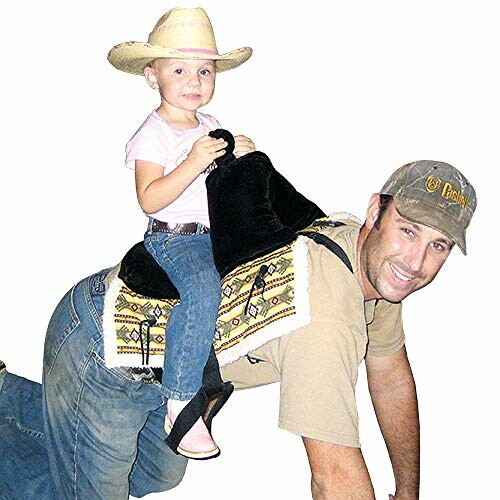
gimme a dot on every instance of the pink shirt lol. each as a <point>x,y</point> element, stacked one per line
<point>157,142</point>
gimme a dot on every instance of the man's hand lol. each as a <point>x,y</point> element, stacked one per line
<point>243,145</point>
<point>401,496</point>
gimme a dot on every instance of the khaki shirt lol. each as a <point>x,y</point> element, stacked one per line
<point>317,364</point>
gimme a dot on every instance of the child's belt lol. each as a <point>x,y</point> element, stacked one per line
<point>184,228</point>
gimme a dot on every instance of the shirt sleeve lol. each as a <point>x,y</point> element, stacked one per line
<point>319,369</point>
<point>147,144</point>
<point>385,332</point>
<point>209,121</point>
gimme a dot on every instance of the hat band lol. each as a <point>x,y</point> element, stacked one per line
<point>201,51</point>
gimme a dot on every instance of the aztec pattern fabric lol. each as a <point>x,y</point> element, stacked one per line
<point>264,268</point>
<point>261,300</point>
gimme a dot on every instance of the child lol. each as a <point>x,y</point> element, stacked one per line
<point>172,155</point>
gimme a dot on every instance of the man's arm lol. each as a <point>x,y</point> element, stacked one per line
<point>394,397</point>
<point>338,472</point>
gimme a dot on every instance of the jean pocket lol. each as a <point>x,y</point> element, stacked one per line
<point>136,376</point>
<point>169,237</point>
<point>62,324</point>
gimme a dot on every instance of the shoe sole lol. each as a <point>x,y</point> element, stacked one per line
<point>201,455</point>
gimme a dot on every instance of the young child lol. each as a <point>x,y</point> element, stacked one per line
<point>172,154</point>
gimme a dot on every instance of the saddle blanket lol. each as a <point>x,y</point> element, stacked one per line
<point>249,315</point>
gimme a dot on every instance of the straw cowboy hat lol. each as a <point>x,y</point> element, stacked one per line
<point>179,34</point>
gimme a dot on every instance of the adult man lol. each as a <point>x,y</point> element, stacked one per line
<point>410,229</point>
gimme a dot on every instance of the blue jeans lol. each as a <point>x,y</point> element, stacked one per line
<point>87,431</point>
<point>188,261</point>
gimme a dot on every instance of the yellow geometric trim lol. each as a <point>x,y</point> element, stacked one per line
<point>267,306</point>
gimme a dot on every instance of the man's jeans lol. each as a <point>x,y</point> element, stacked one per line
<point>88,431</point>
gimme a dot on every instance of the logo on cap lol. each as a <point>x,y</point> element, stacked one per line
<point>432,184</point>
<point>450,193</point>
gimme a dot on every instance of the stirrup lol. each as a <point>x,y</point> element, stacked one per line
<point>213,385</point>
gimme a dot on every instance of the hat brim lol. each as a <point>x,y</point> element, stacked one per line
<point>433,217</point>
<point>133,57</point>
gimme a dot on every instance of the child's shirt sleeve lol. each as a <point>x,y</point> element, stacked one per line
<point>149,143</point>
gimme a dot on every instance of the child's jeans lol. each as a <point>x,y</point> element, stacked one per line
<point>188,261</point>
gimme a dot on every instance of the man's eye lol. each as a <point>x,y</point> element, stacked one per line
<point>178,71</point>
<point>205,72</point>
<point>407,232</point>
<point>438,247</point>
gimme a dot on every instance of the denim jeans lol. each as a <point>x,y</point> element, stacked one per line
<point>188,261</point>
<point>87,431</point>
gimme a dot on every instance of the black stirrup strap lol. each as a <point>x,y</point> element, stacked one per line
<point>213,386</point>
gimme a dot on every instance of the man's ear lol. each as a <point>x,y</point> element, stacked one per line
<point>372,211</point>
<point>150,75</point>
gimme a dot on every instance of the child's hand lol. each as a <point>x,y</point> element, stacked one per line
<point>204,151</point>
<point>243,145</point>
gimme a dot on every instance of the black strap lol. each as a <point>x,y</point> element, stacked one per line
<point>330,244</point>
<point>213,385</point>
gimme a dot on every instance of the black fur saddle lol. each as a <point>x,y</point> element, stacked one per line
<point>253,210</point>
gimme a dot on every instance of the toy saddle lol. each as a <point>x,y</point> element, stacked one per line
<point>255,214</point>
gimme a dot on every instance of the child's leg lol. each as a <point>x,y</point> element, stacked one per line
<point>189,263</point>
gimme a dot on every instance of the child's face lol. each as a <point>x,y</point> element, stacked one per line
<point>184,84</point>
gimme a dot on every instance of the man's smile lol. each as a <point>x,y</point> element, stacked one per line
<point>400,275</point>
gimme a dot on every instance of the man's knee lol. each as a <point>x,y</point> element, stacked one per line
<point>157,481</point>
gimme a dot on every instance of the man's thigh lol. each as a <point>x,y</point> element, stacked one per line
<point>157,467</point>
<point>94,416</point>
<point>24,470</point>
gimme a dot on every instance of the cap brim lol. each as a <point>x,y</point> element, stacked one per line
<point>133,57</point>
<point>433,217</point>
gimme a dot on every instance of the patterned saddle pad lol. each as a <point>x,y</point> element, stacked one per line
<point>247,318</point>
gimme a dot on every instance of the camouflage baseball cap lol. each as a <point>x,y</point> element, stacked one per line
<point>435,194</point>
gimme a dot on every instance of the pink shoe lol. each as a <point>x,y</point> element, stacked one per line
<point>197,443</point>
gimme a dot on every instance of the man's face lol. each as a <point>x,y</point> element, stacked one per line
<point>399,257</point>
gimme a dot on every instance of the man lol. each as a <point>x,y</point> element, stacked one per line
<point>410,229</point>
<point>101,428</point>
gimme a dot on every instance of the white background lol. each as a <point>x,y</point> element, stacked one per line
<point>339,94</point>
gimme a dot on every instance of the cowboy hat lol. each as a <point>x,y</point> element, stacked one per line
<point>178,34</point>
